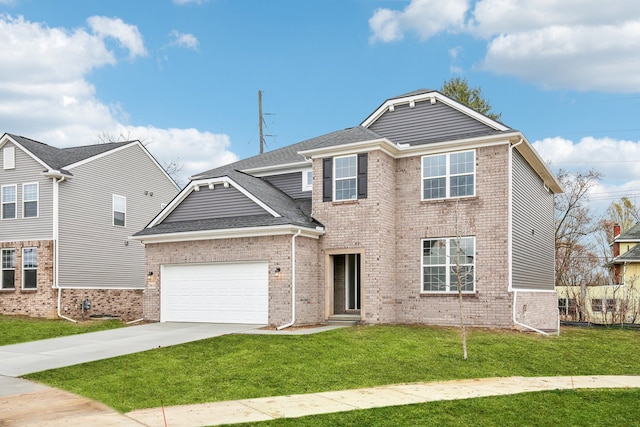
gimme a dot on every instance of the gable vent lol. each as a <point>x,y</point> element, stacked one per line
<point>9,157</point>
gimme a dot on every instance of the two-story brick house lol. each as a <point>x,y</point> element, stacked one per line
<point>378,223</point>
<point>65,220</point>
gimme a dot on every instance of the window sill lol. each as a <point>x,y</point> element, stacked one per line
<point>450,199</point>
<point>8,290</point>
<point>344,202</point>
<point>448,294</point>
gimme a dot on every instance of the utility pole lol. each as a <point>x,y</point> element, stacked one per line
<point>261,120</point>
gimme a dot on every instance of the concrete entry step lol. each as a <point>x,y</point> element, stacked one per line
<point>344,319</point>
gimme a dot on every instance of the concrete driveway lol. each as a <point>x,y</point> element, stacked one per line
<point>35,356</point>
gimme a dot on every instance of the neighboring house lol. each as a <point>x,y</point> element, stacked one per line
<point>618,302</point>
<point>65,220</point>
<point>363,224</point>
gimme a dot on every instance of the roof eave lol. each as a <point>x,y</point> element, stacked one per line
<point>230,233</point>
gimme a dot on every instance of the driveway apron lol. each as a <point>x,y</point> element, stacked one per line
<point>35,356</point>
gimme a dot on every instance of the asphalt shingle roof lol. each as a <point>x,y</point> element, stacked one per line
<point>631,234</point>
<point>59,158</point>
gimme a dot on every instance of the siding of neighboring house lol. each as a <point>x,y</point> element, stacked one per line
<point>425,122</point>
<point>290,184</point>
<point>533,241</point>
<point>104,257</point>
<point>27,170</point>
<point>483,216</point>
<point>217,203</point>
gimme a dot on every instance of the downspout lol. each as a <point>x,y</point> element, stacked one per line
<point>293,282</point>
<point>510,243</point>
<point>55,248</point>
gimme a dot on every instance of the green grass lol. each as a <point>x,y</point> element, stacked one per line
<point>17,329</point>
<point>549,408</point>
<point>246,366</point>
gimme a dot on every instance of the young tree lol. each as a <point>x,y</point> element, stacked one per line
<point>458,89</point>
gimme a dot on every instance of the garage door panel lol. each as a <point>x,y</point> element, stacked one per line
<point>220,293</point>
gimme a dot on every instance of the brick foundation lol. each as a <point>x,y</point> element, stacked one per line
<point>123,303</point>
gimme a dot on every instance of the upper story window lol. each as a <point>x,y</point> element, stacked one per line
<point>8,268</point>
<point>9,201</point>
<point>29,268</point>
<point>447,262</point>
<point>9,157</point>
<point>307,180</point>
<point>119,210</point>
<point>344,178</point>
<point>30,200</point>
<point>448,175</point>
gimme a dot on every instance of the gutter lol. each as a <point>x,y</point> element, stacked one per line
<point>57,179</point>
<point>293,282</point>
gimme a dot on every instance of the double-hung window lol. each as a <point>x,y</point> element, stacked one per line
<point>307,180</point>
<point>30,200</point>
<point>447,262</point>
<point>448,175</point>
<point>346,178</point>
<point>29,268</point>
<point>119,210</point>
<point>9,201</point>
<point>8,268</point>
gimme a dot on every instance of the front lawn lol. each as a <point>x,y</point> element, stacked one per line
<point>245,366</point>
<point>18,329</point>
<point>539,409</point>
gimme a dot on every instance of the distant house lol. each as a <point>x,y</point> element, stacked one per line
<point>617,302</point>
<point>65,220</point>
<point>378,223</point>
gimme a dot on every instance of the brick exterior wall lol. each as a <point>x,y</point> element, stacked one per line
<point>537,309</point>
<point>366,225</point>
<point>484,216</point>
<point>123,303</point>
<point>43,301</point>
<point>39,302</point>
<point>274,249</point>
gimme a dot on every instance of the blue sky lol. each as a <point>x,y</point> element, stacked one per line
<point>183,75</point>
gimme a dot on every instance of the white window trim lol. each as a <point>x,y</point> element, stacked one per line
<point>449,264</point>
<point>307,184</point>
<point>447,176</point>
<point>24,268</point>
<point>113,210</point>
<point>37,200</point>
<point>335,179</point>
<point>2,269</point>
<point>15,201</point>
<point>9,157</point>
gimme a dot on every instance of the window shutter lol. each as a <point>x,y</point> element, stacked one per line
<point>327,179</point>
<point>362,175</point>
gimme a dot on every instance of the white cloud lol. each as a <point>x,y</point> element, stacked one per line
<point>558,44</point>
<point>127,35</point>
<point>424,17</point>
<point>615,158</point>
<point>57,105</point>
<point>188,41</point>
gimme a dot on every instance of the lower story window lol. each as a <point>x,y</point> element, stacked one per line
<point>8,268</point>
<point>30,268</point>
<point>447,263</point>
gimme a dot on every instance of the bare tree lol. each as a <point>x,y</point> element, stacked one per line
<point>462,273</point>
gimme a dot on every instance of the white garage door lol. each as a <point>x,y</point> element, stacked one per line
<point>215,293</point>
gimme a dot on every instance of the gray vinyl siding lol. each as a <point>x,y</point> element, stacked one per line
<point>217,203</point>
<point>425,122</point>
<point>533,229</point>
<point>93,252</point>
<point>290,184</point>
<point>27,170</point>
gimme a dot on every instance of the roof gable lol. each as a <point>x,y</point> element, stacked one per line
<point>424,116</point>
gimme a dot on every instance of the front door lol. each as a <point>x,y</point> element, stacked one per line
<point>346,284</point>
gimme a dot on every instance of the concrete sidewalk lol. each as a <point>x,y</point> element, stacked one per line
<point>49,407</point>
